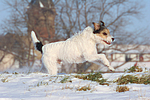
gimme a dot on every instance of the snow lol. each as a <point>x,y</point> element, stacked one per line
<point>130,64</point>
<point>37,86</point>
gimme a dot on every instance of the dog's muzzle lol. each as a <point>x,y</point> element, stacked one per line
<point>107,42</point>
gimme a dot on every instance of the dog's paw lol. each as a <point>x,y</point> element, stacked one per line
<point>111,69</point>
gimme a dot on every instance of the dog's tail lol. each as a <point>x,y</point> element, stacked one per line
<point>38,44</point>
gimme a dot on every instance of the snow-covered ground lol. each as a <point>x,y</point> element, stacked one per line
<point>130,64</point>
<point>37,86</point>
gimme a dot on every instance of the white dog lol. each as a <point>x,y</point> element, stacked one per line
<point>77,49</point>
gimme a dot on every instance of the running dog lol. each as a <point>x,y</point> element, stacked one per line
<point>79,48</point>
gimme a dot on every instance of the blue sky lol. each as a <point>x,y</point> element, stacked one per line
<point>142,22</point>
<point>145,13</point>
<point>3,12</point>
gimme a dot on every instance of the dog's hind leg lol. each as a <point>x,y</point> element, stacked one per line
<point>52,69</point>
<point>43,69</point>
<point>50,64</point>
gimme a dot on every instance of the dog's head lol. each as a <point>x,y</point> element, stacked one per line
<point>102,34</point>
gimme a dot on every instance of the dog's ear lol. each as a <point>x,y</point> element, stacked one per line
<point>96,26</point>
<point>102,23</point>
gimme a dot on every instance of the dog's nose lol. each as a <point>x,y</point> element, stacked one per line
<point>113,39</point>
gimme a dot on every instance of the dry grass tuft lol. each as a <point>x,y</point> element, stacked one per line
<point>67,87</point>
<point>84,88</point>
<point>122,89</point>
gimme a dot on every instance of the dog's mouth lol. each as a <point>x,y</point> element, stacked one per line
<point>107,42</point>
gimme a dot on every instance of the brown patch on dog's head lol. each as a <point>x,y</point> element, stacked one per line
<point>101,30</point>
<point>99,27</point>
<point>103,34</point>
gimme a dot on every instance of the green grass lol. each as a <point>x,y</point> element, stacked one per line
<point>134,69</point>
<point>4,80</point>
<point>41,83</point>
<point>144,79</point>
<point>65,80</point>
<point>94,77</point>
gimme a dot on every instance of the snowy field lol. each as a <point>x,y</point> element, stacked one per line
<point>37,86</point>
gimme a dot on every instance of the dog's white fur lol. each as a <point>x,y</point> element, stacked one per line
<point>77,49</point>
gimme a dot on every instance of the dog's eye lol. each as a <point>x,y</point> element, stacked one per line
<point>104,33</point>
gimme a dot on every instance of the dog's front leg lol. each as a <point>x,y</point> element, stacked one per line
<point>105,61</point>
<point>100,58</point>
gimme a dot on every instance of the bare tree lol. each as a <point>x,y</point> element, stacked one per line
<point>75,15</point>
<point>16,27</point>
<point>41,19</point>
<point>25,16</point>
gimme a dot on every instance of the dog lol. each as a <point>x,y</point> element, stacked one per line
<point>79,48</point>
